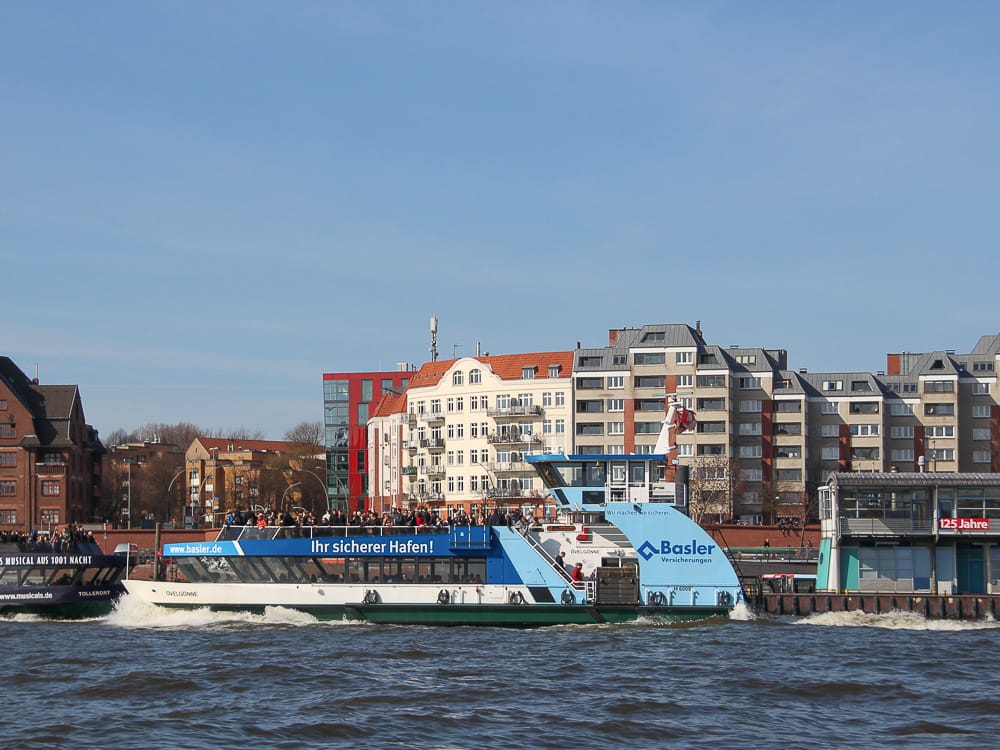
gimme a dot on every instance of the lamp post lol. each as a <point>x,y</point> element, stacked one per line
<point>166,495</point>
<point>283,494</point>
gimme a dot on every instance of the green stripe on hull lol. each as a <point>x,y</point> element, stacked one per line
<point>502,615</point>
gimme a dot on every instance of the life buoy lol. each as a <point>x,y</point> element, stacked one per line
<point>516,597</point>
<point>725,599</point>
<point>443,596</point>
<point>568,597</point>
<point>371,597</point>
<point>657,599</point>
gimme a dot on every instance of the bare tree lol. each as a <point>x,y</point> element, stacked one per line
<point>306,437</point>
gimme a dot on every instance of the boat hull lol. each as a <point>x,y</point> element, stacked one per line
<point>304,599</point>
<point>60,602</point>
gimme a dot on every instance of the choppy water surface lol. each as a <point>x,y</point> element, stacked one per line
<point>148,678</point>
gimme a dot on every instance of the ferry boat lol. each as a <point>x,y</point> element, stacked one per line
<point>75,580</point>
<point>639,555</point>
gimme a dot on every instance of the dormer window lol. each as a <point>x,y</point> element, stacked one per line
<point>528,373</point>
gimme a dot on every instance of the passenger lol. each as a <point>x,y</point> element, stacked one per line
<point>578,572</point>
<point>560,563</point>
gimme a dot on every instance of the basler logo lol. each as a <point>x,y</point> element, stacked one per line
<point>648,550</point>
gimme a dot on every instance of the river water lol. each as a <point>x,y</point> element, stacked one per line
<point>143,677</point>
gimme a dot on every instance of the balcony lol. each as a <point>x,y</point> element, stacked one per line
<point>513,439</point>
<point>884,527</point>
<point>432,417</point>
<point>515,411</point>
<point>509,467</point>
<point>409,471</point>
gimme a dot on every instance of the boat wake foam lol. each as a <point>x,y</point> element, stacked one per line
<point>131,612</point>
<point>895,620</point>
<point>742,613</point>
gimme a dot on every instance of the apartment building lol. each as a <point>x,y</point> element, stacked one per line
<point>460,434</point>
<point>50,458</point>
<point>766,437</point>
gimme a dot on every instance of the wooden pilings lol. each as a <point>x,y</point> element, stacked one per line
<point>959,606</point>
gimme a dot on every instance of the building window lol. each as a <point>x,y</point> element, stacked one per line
<point>711,404</point>
<point>864,453</point>
<point>901,432</point>
<point>983,410</point>
<point>554,371</point>
<point>50,487</point>
<point>901,454</point>
<point>981,457</point>
<point>750,428</point>
<point>750,451</point>
<point>616,381</point>
<point>939,431</point>
<point>711,381</point>
<point>980,389</point>
<point>3,404</point>
<point>748,382</point>
<point>589,428</point>
<point>560,426</point>
<point>751,475</point>
<point>789,475</point>
<point>589,383</point>
<point>650,358</point>
<point>616,404</point>
<point>591,406</point>
<point>616,428</point>
<point>829,430</point>
<point>981,433</point>
<point>939,386</point>
<point>746,359</point>
<point>50,516</point>
<point>685,449</point>
<point>7,430</point>
<point>833,385</point>
<point>7,515</point>
<point>717,449</point>
<point>8,458</point>
<point>649,381</point>
<point>8,487</point>
<point>864,407</point>
<point>941,454</point>
<point>864,430</point>
<point>475,376</point>
<point>458,378</point>
<point>685,381</point>
<point>900,409</point>
<point>684,358</point>
<point>560,398</point>
<point>366,390</point>
<point>711,427</point>
<point>528,373</point>
<point>939,410</point>
<point>830,407</point>
<point>830,453</point>
<point>788,406</point>
<point>982,367</point>
<point>650,404</point>
<point>751,405</point>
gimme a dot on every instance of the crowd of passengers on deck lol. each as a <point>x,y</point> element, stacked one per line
<point>413,520</point>
<point>68,540</point>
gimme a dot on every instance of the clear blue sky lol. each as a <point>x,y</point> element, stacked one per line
<point>206,206</point>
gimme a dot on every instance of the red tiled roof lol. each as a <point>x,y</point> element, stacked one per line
<point>390,403</point>
<point>504,366</point>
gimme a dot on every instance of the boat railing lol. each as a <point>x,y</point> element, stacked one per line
<point>244,533</point>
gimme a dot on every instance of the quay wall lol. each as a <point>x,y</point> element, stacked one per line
<point>932,606</point>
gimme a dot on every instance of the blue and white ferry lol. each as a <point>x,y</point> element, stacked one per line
<point>639,555</point>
